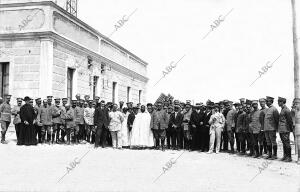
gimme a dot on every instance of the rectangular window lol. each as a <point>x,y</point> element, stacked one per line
<point>95,85</point>
<point>4,78</point>
<point>140,95</point>
<point>128,94</point>
<point>70,74</point>
<point>114,92</point>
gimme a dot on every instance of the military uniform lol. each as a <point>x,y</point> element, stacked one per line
<point>230,126</point>
<point>270,128</point>
<point>56,119</point>
<point>241,131</point>
<point>38,125</point>
<point>284,128</point>
<point>16,113</point>
<point>79,120</point>
<point>69,118</point>
<point>255,128</point>
<point>5,119</point>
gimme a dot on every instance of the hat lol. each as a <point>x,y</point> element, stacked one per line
<point>57,99</point>
<point>297,100</point>
<point>188,102</point>
<point>198,104</point>
<point>64,99</point>
<point>19,99</point>
<point>254,102</point>
<point>149,104</point>
<point>86,97</point>
<point>171,107</point>
<point>248,102</point>
<point>97,97</point>
<point>262,100</point>
<point>237,104</point>
<point>282,99</point>
<point>26,98</point>
<point>229,102</point>
<point>268,98</point>
<point>37,99</point>
<point>242,99</point>
<point>176,102</point>
<point>45,100</point>
<point>49,97</point>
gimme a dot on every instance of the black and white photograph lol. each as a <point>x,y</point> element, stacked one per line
<point>154,96</point>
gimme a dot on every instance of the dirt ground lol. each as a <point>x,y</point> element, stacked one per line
<point>42,167</point>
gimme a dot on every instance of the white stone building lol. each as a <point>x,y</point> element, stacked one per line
<point>45,50</point>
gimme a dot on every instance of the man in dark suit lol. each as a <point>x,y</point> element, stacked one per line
<point>175,126</point>
<point>207,114</point>
<point>198,129</point>
<point>101,122</point>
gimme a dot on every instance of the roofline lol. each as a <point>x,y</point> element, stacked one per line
<point>51,3</point>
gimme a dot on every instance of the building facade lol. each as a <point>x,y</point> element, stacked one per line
<point>45,50</point>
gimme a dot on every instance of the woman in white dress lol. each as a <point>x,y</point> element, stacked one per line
<point>141,134</point>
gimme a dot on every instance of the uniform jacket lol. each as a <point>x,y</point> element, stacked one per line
<point>241,122</point>
<point>159,120</point>
<point>262,117</point>
<point>38,110</point>
<point>56,115</point>
<point>230,123</point>
<point>16,113</point>
<point>46,115</point>
<point>271,119</point>
<point>70,118</point>
<point>186,118</point>
<point>255,124</point>
<point>101,117</point>
<point>285,120</point>
<point>5,110</point>
<point>79,115</point>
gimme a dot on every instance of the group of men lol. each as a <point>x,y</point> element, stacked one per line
<point>175,125</point>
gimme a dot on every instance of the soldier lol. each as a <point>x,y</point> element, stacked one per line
<point>56,119</point>
<point>16,113</point>
<point>187,135</point>
<point>62,115</point>
<point>207,114</point>
<point>270,128</point>
<point>77,119</point>
<point>70,122</point>
<point>284,128</point>
<point>5,110</point>
<point>89,120</point>
<point>241,130</point>
<point>46,119</point>
<point>242,101</point>
<point>230,125</point>
<point>38,125</point>
<point>224,109</point>
<point>97,101</point>
<point>255,128</point>
<point>158,125</point>
<point>262,103</point>
<point>86,98</point>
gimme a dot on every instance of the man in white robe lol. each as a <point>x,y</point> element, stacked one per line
<point>141,135</point>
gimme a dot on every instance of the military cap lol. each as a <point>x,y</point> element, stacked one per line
<point>171,107</point>
<point>19,99</point>
<point>248,102</point>
<point>176,102</point>
<point>149,104</point>
<point>262,100</point>
<point>230,102</point>
<point>97,97</point>
<point>86,97</point>
<point>225,101</point>
<point>49,97</point>
<point>297,100</point>
<point>188,102</point>
<point>242,99</point>
<point>268,98</point>
<point>281,99</point>
<point>57,99</point>
<point>37,99</point>
<point>198,104</point>
<point>45,100</point>
<point>254,102</point>
<point>208,101</point>
<point>64,99</point>
<point>7,96</point>
<point>74,101</point>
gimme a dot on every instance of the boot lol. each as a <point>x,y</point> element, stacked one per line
<point>251,151</point>
<point>232,148</point>
<point>163,144</point>
<point>288,155</point>
<point>284,154</point>
<point>53,137</point>
<point>265,149</point>
<point>3,138</point>
<point>256,152</point>
<point>68,139</point>
<point>48,138</point>
<point>57,137</point>
<point>269,152</point>
<point>261,148</point>
<point>298,161</point>
<point>156,143</point>
<point>274,156</point>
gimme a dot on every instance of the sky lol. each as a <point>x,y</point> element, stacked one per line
<point>222,65</point>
